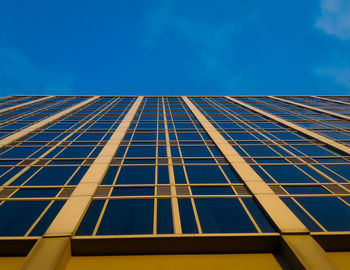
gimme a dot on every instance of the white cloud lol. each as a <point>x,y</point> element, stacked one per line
<point>20,75</point>
<point>335,18</point>
<point>338,74</point>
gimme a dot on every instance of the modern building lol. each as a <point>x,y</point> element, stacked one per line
<point>172,182</point>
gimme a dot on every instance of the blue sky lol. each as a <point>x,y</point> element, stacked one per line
<point>171,47</point>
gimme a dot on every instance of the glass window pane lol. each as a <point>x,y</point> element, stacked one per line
<point>188,222</point>
<point>136,175</point>
<point>332,213</point>
<point>18,216</point>
<point>223,215</point>
<point>205,174</point>
<point>164,216</point>
<point>127,217</point>
<point>89,222</point>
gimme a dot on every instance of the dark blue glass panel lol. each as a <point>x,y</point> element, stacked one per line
<point>318,177</point>
<point>216,152</point>
<point>313,150</point>
<point>110,175</point>
<point>45,136</point>
<point>78,175</point>
<point>175,151</point>
<point>308,222</point>
<point>230,174</point>
<point>332,213</point>
<point>223,215</point>
<point>195,151</point>
<point>7,174</point>
<point>259,151</point>
<point>164,216</point>
<point>136,175</point>
<point>205,174</point>
<point>138,191</point>
<point>188,222</point>
<point>96,152</point>
<point>24,176</point>
<point>287,174</point>
<point>188,136</point>
<point>90,136</point>
<point>145,136</point>
<point>343,170</point>
<point>141,151</point>
<point>52,176</point>
<point>36,193</point>
<point>212,191</point>
<point>162,151</point>
<point>19,152</point>
<point>75,152</point>
<point>241,136</point>
<point>46,220</point>
<point>179,175</point>
<point>306,190</point>
<point>163,175</point>
<point>89,222</point>
<point>18,216</point>
<point>258,215</point>
<point>121,151</point>
<point>127,217</point>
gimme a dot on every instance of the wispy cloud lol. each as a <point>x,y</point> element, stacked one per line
<point>212,44</point>
<point>335,18</point>
<point>20,75</point>
<point>338,74</point>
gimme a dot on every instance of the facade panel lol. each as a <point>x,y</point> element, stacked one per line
<point>158,175</point>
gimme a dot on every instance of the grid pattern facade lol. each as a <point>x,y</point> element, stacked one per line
<point>160,168</point>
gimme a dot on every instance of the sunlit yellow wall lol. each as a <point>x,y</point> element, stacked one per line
<point>11,263</point>
<point>176,262</point>
<point>341,259</point>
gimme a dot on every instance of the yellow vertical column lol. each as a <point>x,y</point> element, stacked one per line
<point>300,250</point>
<point>57,236</point>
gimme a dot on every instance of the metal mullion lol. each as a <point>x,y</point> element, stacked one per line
<point>307,213</point>
<point>155,200</point>
<point>39,218</point>
<point>98,222</point>
<point>174,201</point>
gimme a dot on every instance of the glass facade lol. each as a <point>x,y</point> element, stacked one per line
<point>164,167</point>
